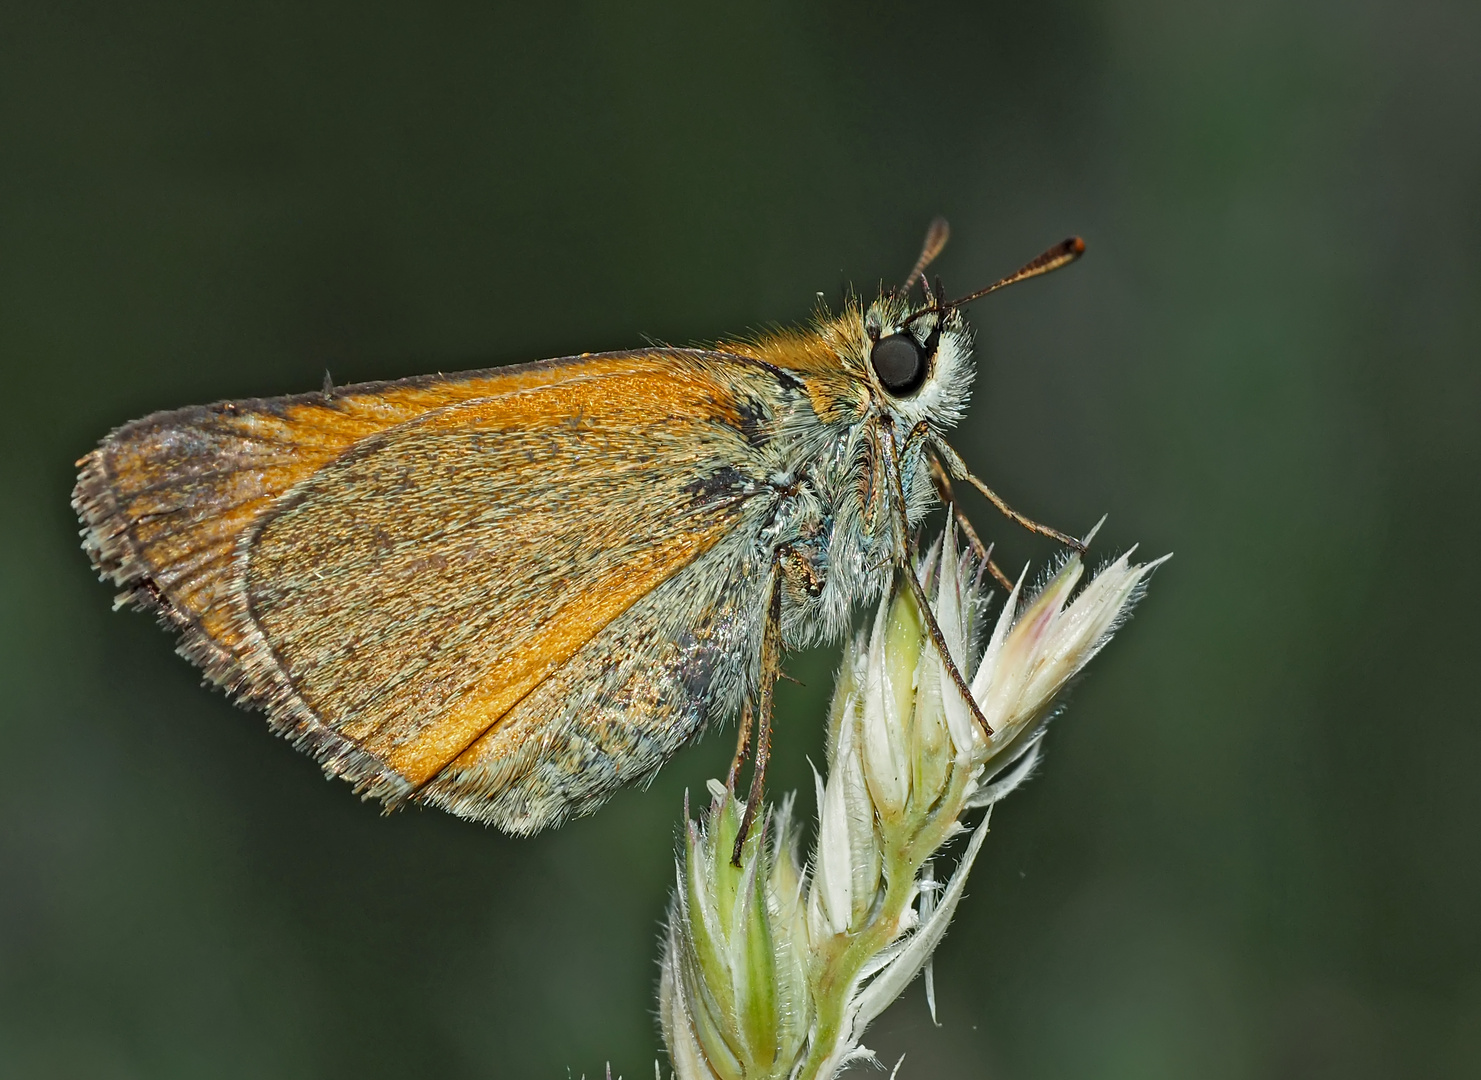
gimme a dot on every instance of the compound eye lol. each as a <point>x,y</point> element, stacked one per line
<point>900,362</point>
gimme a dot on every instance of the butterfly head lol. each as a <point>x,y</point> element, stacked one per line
<point>918,361</point>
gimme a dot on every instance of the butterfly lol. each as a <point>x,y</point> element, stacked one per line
<point>508,592</point>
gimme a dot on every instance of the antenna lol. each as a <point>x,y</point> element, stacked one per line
<point>1061,254</point>
<point>936,236</point>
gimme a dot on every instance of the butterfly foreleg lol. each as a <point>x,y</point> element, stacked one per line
<point>948,497</point>
<point>906,568</point>
<point>958,469</point>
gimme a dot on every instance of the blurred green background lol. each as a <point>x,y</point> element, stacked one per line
<point>1255,850</point>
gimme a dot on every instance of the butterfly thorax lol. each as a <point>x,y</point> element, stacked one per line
<point>835,514</point>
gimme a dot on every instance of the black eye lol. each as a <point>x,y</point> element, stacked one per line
<point>900,362</point>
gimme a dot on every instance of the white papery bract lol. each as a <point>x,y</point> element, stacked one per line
<point>772,972</point>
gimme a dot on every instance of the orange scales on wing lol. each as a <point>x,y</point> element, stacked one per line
<point>572,507</point>
<point>170,501</point>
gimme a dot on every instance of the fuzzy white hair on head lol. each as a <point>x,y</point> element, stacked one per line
<point>943,396</point>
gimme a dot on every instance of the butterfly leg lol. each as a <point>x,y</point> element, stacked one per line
<point>742,746</point>
<point>771,669</point>
<point>891,464</point>
<point>948,496</point>
<point>958,470</point>
<point>942,481</point>
<point>789,565</point>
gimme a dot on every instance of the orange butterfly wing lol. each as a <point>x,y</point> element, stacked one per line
<point>390,569</point>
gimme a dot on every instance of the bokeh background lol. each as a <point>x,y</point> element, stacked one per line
<point>1255,850</point>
